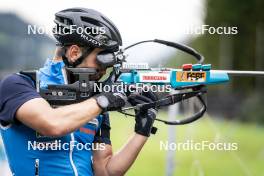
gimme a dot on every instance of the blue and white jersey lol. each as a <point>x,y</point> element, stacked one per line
<point>30,153</point>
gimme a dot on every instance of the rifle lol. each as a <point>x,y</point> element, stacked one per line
<point>192,80</point>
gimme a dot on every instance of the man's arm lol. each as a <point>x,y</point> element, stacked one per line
<point>107,164</point>
<point>40,116</point>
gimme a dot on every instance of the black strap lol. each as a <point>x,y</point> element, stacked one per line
<point>171,99</point>
<point>103,134</point>
<point>30,74</point>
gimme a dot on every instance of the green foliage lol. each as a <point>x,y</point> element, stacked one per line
<point>20,50</point>
<point>248,17</point>
<point>252,109</point>
<point>242,51</point>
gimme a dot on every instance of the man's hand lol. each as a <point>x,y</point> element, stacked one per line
<point>144,117</point>
<point>110,101</point>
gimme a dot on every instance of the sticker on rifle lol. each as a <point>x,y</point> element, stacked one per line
<point>155,77</point>
<point>140,66</point>
<point>184,76</point>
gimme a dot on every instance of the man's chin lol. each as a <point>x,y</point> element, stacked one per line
<point>96,77</point>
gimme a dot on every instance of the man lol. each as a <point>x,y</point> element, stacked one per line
<point>28,122</point>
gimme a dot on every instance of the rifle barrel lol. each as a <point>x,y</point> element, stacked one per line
<point>241,73</point>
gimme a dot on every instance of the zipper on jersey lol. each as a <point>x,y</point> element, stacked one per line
<point>36,167</point>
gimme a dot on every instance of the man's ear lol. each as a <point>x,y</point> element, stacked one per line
<point>73,53</point>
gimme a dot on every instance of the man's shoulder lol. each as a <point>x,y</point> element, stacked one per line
<point>15,90</point>
<point>16,83</point>
<point>15,79</point>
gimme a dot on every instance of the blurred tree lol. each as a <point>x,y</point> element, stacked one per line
<point>242,51</point>
<point>20,50</point>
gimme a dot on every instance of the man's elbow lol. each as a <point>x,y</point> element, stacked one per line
<point>52,128</point>
<point>52,132</point>
<point>114,171</point>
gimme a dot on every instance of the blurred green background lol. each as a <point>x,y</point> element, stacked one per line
<point>242,98</point>
<point>247,160</point>
<point>235,114</point>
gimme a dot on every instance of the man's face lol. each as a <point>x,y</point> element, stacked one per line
<point>90,61</point>
<point>74,52</point>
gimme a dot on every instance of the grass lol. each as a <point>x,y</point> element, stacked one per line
<point>247,160</point>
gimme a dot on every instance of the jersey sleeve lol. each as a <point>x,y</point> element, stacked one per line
<point>15,90</point>
<point>103,134</point>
